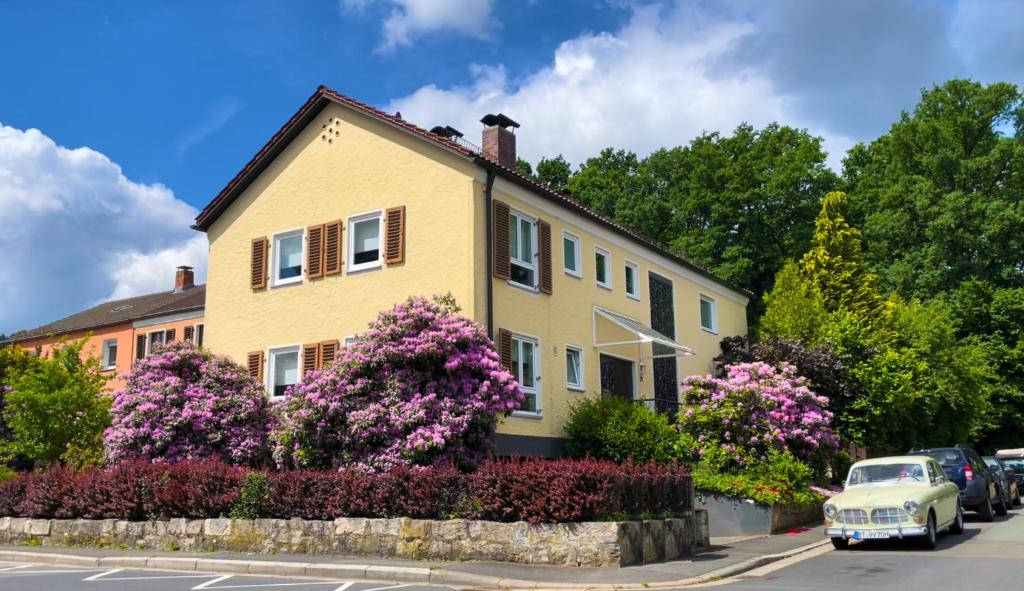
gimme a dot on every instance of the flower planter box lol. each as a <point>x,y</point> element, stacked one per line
<point>730,516</point>
<point>587,544</point>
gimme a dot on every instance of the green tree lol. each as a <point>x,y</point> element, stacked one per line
<point>554,171</point>
<point>940,197</point>
<point>56,409</point>
<point>794,308</point>
<point>524,167</point>
<point>835,265</point>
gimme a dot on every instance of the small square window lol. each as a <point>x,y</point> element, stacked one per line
<point>632,285</point>
<point>349,341</point>
<point>708,314</point>
<point>574,368</point>
<point>153,339</point>
<point>603,263</point>
<point>284,370</point>
<point>571,254</point>
<point>287,253</point>
<point>110,354</point>
<point>526,371</point>
<point>364,242</point>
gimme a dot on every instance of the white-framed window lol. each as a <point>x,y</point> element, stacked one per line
<point>632,280</point>
<point>364,236</point>
<point>708,314</point>
<point>284,369</point>
<point>571,254</point>
<point>110,354</point>
<point>350,340</point>
<point>603,267</point>
<point>154,338</point>
<point>522,233</point>
<point>574,368</point>
<point>526,368</point>
<point>288,250</point>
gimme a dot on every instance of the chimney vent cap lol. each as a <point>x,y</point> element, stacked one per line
<point>447,131</point>
<point>501,120</point>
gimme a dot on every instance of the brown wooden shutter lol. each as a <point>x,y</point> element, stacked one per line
<point>140,346</point>
<point>169,335</point>
<point>255,364</point>
<point>332,247</point>
<point>544,250</point>
<point>505,348</point>
<point>258,262</point>
<point>328,351</point>
<point>394,231</point>
<point>315,251</point>
<point>502,254</point>
<point>189,335</point>
<point>310,357</point>
<point>200,330</point>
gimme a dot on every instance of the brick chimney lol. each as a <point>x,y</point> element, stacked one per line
<point>500,139</point>
<point>184,278</point>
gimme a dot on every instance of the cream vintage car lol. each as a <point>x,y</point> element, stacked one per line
<point>895,497</point>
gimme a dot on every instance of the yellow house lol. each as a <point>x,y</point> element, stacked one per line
<point>347,210</point>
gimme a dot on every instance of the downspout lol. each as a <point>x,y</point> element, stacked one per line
<point>489,249</point>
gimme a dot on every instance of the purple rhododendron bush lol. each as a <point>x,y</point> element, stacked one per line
<point>533,490</point>
<point>755,412</point>
<point>423,387</point>
<point>183,402</point>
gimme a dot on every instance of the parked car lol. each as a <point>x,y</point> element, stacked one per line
<point>1014,460</point>
<point>1007,480</point>
<point>895,497</point>
<point>965,468</point>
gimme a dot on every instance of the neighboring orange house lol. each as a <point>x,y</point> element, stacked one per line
<point>121,331</point>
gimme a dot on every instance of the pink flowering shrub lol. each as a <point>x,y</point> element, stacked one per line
<point>184,402</point>
<point>754,411</point>
<point>423,387</point>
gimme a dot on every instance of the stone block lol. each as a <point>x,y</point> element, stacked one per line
<point>177,526</point>
<point>18,525</point>
<point>38,527</point>
<point>653,540</point>
<point>5,524</point>
<point>631,542</point>
<point>217,527</point>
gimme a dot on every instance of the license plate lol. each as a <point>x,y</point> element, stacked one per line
<point>870,535</point>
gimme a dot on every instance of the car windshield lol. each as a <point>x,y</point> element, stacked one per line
<point>948,459</point>
<point>1015,464</point>
<point>896,473</point>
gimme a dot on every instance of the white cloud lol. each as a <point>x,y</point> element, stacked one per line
<point>74,230</point>
<point>217,117</point>
<point>654,83</point>
<point>410,19</point>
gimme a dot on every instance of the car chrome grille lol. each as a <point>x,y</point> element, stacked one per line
<point>853,516</point>
<point>889,516</point>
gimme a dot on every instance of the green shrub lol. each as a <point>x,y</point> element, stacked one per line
<point>251,498</point>
<point>782,479</point>
<point>616,429</point>
<point>7,473</point>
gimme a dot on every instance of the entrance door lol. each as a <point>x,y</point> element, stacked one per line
<point>617,377</point>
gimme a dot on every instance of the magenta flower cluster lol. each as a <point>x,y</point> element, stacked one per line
<point>422,387</point>
<point>755,409</point>
<point>182,403</point>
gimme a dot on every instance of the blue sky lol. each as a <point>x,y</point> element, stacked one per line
<point>142,111</point>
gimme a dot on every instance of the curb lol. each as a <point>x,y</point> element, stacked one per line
<point>388,574</point>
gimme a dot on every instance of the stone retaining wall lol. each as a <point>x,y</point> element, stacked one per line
<point>567,544</point>
<point>731,516</point>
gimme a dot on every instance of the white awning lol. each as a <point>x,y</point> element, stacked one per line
<point>644,334</point>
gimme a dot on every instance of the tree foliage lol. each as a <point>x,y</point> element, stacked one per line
<point>55,408</point>
<point>615,429</point>
<point>554,171</point>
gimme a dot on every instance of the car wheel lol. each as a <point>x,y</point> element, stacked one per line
<point>840,543</point>
<point>957,527</point>
<point>931,537</point>
<point>1001,508</point>
<point>985,510</point>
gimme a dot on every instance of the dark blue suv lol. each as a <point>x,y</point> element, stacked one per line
<point>978,489</point>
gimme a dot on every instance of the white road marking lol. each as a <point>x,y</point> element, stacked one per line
<point>210,582</point>
<point>150,578</point>
<point>51,572</point>
<point>388,587</point>
<point>103,574</point>
<point>345,586</point>
<point>10,568</point>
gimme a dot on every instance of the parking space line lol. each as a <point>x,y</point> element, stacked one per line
<point>102,574</point>
<point>49,572</point>
<point>143,578</point>
<point>210,582</point>
<point>388,587</point>
<point>345,586</point>
<point>10,568</point>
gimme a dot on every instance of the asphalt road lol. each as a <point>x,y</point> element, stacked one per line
<point>25,577</point>
<point>988,556</point>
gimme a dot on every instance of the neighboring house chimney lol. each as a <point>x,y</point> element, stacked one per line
<point>499,139</point>
<point>184,278</point>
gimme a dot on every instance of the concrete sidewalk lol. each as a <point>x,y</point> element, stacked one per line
<point>727,557</point>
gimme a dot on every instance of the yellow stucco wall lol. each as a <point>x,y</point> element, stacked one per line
<point>566,316</point>
<point>369,165</point>
<point>366,166</point>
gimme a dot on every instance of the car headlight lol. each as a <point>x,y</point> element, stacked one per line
<point>910,507</point>
<point>830,511</point>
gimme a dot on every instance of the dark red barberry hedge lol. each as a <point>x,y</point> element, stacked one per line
<point>533,490</point>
